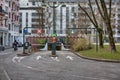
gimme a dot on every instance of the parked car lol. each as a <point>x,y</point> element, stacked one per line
<point>2,48</point>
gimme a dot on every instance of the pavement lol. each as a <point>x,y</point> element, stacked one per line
<point>66,66</point>
<point>20,53</point>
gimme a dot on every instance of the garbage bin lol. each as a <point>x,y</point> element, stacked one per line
<point>26,45</point>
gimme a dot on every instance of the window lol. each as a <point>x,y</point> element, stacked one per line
<point>73,9</point>
<point>26,15</point>
<point>33,3</point>
<point>20,14</point>
<point>9,3</point>
<point>27,4</point>
<point>26,19</point>
<point>34,14</point>
<point>9,27</point>
<point>9,15</point>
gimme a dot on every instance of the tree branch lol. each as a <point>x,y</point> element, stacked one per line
<point>104,8</point>
<point>110,9</point>
<point>99,9</point>
<point>94,18</point>
<point>87,14</point>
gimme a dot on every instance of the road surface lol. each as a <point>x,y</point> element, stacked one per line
<point>67,66</point>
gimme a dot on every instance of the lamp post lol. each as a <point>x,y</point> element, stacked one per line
<point>42,22</point>
<point>54,6</point>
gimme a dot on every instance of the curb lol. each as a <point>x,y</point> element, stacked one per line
<point>20,53</point>
<point>96,59</point>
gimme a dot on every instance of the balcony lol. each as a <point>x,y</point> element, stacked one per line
<point>1,12</point>
<point>5,12</point>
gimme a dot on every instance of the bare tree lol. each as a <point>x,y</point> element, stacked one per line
<point>40,14</point>
<point>105,13</point>
<point>94,21</point>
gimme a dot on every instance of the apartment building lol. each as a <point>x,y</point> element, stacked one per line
<point>63,16</point>
<point>9,23</point>
<point>69,15</point>
<point>3,23</point>
<point>116,14</point>
<point>13,21</point>
<point>31,15</point>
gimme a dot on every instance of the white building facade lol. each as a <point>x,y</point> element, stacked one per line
<point>9,24</point>
<point>66,15</point>
<point>3,23</point>
<point>28,15</point>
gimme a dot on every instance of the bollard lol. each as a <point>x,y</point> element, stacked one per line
<point>53,46</point>
<point>54,49</point>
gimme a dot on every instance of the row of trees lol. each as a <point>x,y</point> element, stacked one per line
<point>104,11</point>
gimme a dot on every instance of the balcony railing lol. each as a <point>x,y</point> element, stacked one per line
<point>5,12</point>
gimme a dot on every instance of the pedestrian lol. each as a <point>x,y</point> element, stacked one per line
<point>15,45</point>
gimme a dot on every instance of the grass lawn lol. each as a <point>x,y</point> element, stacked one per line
<point>102,53</point>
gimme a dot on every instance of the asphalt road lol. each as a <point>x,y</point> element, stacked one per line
<point>67,66</point>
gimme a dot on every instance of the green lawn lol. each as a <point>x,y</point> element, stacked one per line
<point>102,53</point>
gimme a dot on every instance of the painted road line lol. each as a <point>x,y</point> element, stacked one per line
<point>69,57</point>
<point>17,59</point>
<point>55,58</point>
<point>38,57</point>
<point>14,59</point>
<point>29,67</point>
<point>6,74</point>
<point>86,77</point>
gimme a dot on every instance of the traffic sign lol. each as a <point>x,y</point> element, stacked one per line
<point>25,31</point>
<point>39,31</point>
<point>72,31</point>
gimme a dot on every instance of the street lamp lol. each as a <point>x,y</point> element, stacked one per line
<point>54,15</point>
<point>54,5</point>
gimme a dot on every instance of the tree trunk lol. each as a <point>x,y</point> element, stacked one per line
<point>111,38</point>
<point>100,39</point>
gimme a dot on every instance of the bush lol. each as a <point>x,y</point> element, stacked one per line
<point>41,41</point>
<point>80,44</point>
